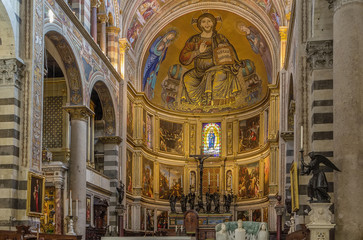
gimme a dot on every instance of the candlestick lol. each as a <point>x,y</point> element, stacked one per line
<point>70,202</point>
<point>67,207</point>
<point>209,178</point>
<point>77,207</point>
<point>302,136</point>
<point>231,182</point>
<point>217,180</point>
<point>181,180</point>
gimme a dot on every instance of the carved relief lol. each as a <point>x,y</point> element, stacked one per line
<point>11,72</point>
<point>320,54</point>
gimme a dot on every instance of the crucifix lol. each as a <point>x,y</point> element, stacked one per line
<point>201,158</point>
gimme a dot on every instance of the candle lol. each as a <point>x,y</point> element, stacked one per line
<point>70,202</point>
<point>77,207</point>
<point>217,180</point>
<point>302,136</point>
<point>181,180</point>
<point>169,182</point>
<point>66,207</point>
<point>231,182</point>
<point>209,178</point>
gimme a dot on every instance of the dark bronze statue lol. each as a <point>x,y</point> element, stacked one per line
<point>121,192</point>
<point>208,199</point>
<point>318,185</point>
<point>191,200</point>
<point>172,201</point>
<point>183,203</point>
<point>227,202</point>
<point>216,202</point>
<point>200,208</point>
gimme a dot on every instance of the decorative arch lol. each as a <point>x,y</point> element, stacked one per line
<point>108,108</point>
<point>73,73</point>
<point>8,41</point>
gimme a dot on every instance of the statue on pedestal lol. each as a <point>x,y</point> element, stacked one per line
<point>120,192</point>
<point>208,199</point>
<point>216,202</point>
<point>318,185</point>
<point>262,234</point>
<point>172,201</point>
<point>183,203</point>
<point>191,200</point>
<point>227,202</point>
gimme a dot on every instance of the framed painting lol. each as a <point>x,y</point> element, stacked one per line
<point>35,199</point>
<point>88,210</point>
<point>294,188</point>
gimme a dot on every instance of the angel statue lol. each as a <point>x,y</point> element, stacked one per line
<point>121,192</point>
<point>318,185</point>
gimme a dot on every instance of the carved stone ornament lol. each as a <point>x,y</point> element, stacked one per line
<point>79,112</point>
<point>111,140</point>
<point>320,54</point>
<point>11,72</point>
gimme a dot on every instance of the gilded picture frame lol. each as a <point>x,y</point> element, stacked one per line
<point>294,187</point>
<point>35,195</point>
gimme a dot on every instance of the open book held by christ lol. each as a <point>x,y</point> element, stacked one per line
<point>223,55</point>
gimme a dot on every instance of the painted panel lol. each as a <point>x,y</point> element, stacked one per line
<point>248,181</point>
<point>249,134</point>
<point>148,178</point>
<point>171,137</point>
<point>170,181</point>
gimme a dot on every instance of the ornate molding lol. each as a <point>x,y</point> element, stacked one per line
<point>320,54</point>
<point>11,72</point>
<point>110,140</point>
<point>79,112</point>
<point>289,135</point>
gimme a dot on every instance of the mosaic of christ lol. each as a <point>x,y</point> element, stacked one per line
<point>207,62</point>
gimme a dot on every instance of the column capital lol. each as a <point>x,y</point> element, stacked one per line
<point>283,32</point>
<point>79,112</point>
<point>111,140</point>
<point>11,72</point>
<point>95,3</point>
<point>112,29</point>
<point>103,18</point>
<point>319,54</point>
<point>338,3</point>
<point>124,45</point>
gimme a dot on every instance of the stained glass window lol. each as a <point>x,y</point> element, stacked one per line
<point>211,133</point>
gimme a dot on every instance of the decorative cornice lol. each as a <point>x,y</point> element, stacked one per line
<point>79,112</point>
<point>11,72</point>
<point>289,135</point>
<point>109,140</point>
<point>319,54</point>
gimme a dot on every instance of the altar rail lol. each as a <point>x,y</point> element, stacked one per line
<point>12,235</point>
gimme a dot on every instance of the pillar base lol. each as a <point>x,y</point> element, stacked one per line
<point>320,221</point>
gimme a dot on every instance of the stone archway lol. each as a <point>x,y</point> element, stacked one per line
<point>71,66</point>
<point>107,108</point>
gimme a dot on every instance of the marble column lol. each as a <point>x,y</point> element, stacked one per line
<point>94,5</point>
<point>78,163</point>
<point>348,114</point>
<point>58,207</point>
<point>103,19</point>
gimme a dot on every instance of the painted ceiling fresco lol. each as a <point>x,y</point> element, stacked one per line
<point>207,61</point>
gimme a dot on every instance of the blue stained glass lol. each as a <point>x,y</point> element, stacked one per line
<point>212,134</point>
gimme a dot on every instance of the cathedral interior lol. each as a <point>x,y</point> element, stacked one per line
<point>119,118</point>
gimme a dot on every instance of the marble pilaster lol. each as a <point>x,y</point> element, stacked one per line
<point>94,5</point>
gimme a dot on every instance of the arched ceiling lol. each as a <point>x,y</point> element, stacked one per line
<point>146,22</point>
